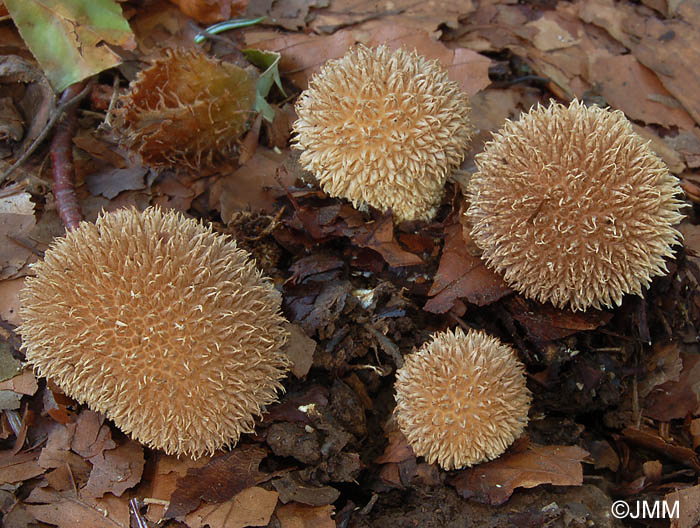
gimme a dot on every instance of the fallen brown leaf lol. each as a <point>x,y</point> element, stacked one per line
<point>110,182</point>
<point>544,322</point>
<point>164,481</point>
<point>251,507</point>
<point>300,350</point>
<point>210,11</point>
<point>295,515</point>
<point>303,55</point>
<point>24,383</point>
<point>397,450</point>
<point>462,275</point>
<point>495,481</point>
<point>91,436</point>
<point>379,236</point>
<point>222,478</point>
<point>115,471</point>
<point>688,507</point>
<point>9,300</point>
<point>254,186</point>
<point>423,16</point>
<point>649,439</point>
<point>66,511</point>
<point>676,399</point>
<point>16,223</point>
<point>636,90</point>
<point>17,467</point>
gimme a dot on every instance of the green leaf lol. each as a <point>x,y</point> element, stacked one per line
<point>71,39</point>
<point>268,61</point>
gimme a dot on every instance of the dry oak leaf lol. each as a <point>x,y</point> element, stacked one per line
<point>163,483</point>
<point>67,511</point>
<point>303,55</point>
<point>495,481</point>
<point>294,515</point>
<point>421,15</point>
<point>649,439</point>
<point>670,48</point>
<point>115,470</point>
<point>210,11</point>
<point>688,507</point>
<point>24,383</point>
<point>636,90</point>
<point>220,480</point>
<point>16,222</point>
<point>461,275</point>
<point>17,467</point>
<point>251,507</point>
<point>379,236</point>
<point>676,398</point>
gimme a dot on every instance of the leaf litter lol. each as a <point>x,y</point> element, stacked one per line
<point>616,410</point>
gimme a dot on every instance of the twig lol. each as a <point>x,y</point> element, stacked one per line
<point>135,506</point>
<point>112,101</point>
<point>62,158</point>
<point>62,107</point>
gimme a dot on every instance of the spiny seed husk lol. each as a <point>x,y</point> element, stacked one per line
<point>186,110</point>
<point>383,128</point>
<point>461,399</point>
<point>572,207</point>
<point>162,325</point>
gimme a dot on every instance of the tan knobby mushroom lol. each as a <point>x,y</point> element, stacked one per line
<point>186,109</point>
<point>383,128</point>
<point>573,207</point>
<point>461,399</point>
<point>165,327</point>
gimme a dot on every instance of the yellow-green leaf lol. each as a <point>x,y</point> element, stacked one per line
<point>70,38</point>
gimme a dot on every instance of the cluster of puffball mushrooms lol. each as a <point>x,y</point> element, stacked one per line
<point>172,332</point>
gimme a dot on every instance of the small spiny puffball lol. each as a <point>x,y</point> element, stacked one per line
<point>573,207</point>
<point>383,128</point>
<point>461,399</point>
<point>165,327</point>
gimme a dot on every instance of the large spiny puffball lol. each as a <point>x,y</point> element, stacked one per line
<point>572,207</point>
<point>383,128</point>
<point>165,327</point>
<point>461,399</point>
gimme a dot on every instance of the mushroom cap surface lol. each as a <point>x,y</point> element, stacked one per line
<point>461,399</point>
<point>383,128</point>
<point>162,325</point>
<point>573,207</point>
<point>186,110</point>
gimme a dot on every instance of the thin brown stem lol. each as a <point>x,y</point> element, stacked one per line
<point>62,158</point>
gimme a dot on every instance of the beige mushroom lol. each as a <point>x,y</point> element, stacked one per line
<point>573,207</point>
<point>461,399</point>
<point>162,325</point>
<point>383,128</point>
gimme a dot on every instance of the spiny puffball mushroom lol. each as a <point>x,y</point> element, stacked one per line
<point>573,207</point>
<point>165,327</point>
<point>461,399</point>
<point>187,109</point>
<point>383,128</point>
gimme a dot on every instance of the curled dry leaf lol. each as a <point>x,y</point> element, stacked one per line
<point>295,515</point>
<point>303,55</point>
<point>210,11</point>
<point>461,275</point>
<point>222,478</point>
<point>251,507</point>
<point>495,481</point>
